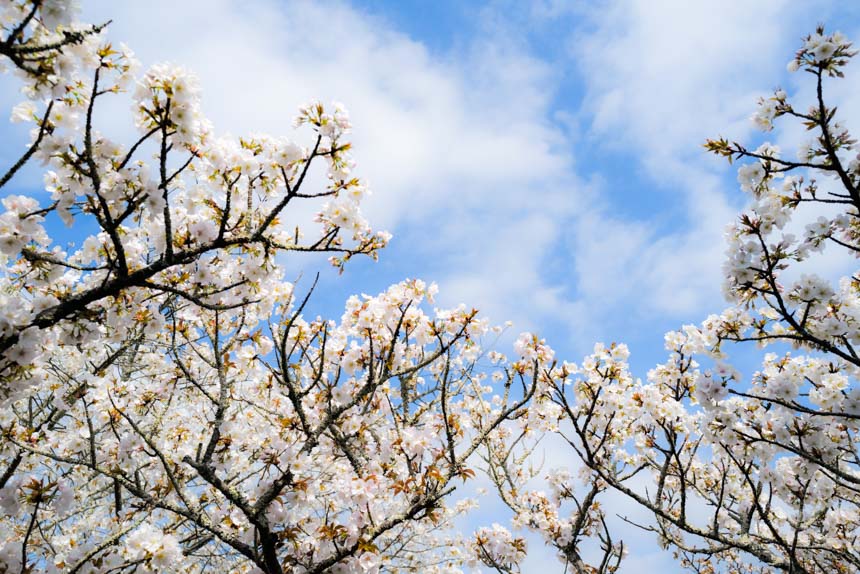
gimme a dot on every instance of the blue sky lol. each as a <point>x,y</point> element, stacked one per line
<point>541,161</point>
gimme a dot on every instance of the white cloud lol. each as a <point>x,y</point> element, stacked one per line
<point>420,123</point>
<point>659,78</point>
<point>663,75</point>
<point>459,152</point>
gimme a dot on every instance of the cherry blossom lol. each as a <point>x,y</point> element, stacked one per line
<point>742,472</point>
<point>165,403</point>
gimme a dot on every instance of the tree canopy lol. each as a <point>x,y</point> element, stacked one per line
<point>167,406</point>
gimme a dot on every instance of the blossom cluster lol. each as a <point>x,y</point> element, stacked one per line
<point>738,471</point>
<point>165,404</point>
<point>205,221</point>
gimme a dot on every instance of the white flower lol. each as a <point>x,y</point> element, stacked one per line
<point>64,497</point>
<point>23,112</point>
<point>709,391</point>
<point>824,51</point>
<point>58,12</point>
<point>750,176</point>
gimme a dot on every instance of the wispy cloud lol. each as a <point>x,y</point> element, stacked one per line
<point>464,163</point>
